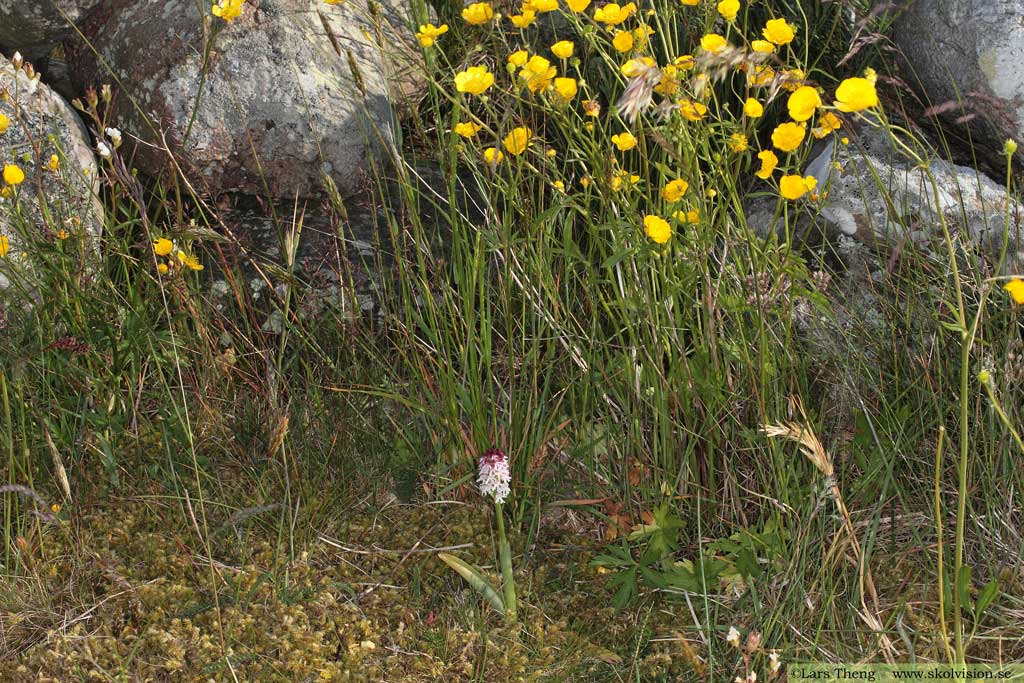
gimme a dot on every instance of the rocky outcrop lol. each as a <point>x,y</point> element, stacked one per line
<point>35,28</point>
<point>288,91</point>
<point>56,199</point>
<point>966,56</point>
<point>878,197</point>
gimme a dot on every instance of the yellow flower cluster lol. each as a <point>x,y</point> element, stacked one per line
<point>682,91</point>
<point>176,257</point>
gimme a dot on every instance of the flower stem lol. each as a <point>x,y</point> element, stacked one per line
<point>505,557</point>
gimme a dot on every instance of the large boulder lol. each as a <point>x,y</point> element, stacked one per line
<point>54,201</point>
<point>35,28</point>
<point>878,197</point>
<point>966,55</point>
<point>292,89</point>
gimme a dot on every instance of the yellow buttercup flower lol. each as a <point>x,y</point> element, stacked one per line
<point>713,43</point>
<point>566,88</point>
<point>625,141</point>
<point>761,76</point>
<point>428,33</point>
<point>669,81</point>
<point>803,103</point>
<point>795,186</point>
<point>162,268</point>
<point>658,229</point>
<point>641,35</point>
<point>856,94</point>
<point>692,216</point>
<point>54,163</point>
<point>5,246</point>
<point>13,175</point>
<point>637,66</point>
<point>537,73</point>
<point>1015,287</point>
<point>674,190</point>
<point>467,129</point>
<point>478,13</point>
<point>684,62</point>
<point>692,111</point>
<point>228,10</point>
<point>621,177</point>
<point>518,58</point>
<point>517,140</point>
<point>474,80</point>
<point>623,41</point>
<point>5,123</point>
<point>690,3</point>
<point>787,136</point>
<point>827,123</point>
<point>613,15</point>
<point>163,247</point>
<point>578,5</point>
<point>563,49</point>
<point>763,46</point>
<point>753,108</point>
<point>778,31</point>
<point>738,143</point>
<point>493,156</point>
<point>729,9</point>
<point>523,20</point>
<point>63,234</point>
<point>189,261</point>
<point>541,6</point>
<point>768,163</point>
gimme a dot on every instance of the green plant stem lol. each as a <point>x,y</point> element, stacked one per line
<point>1003,416</point>
<point>505,558</point>
<point>941,558</point>
<point>961,503</point>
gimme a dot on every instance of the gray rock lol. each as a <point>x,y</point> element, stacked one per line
<point>35,28</point>
<point>284,100</point>
<point>878,197</point>
<point>43,124</point>
<point>966,54</point>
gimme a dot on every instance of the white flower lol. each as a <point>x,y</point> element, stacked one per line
<point>733,637</point>
<point>752,677</point>
<point>494,476</point>
<point>775,662</point>
<point>17,60</point>
<point>102,148</point>
<point>115,136</point>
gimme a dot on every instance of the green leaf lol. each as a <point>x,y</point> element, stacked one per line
<point>475,579</point>
<point>627,584</point>
<point>988,595</point>
<point>746,564</point>
<point>963,586</point>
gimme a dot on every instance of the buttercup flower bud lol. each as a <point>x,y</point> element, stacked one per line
<point>1010,147</point>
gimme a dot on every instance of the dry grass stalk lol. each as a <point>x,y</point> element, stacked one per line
<point>813,450</point>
